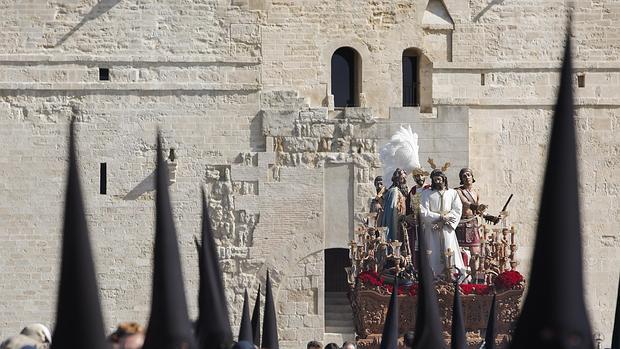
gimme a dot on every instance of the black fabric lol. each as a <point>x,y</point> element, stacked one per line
<point>256,319</point>
<point>491,333</point>
<point>213,322</point>
<point>615,337</point>
<point>245,328</point>
<point>554,313</point>
<point>270,325</point>
<point>169,325</point>
<point>389,338</point>
<point>458,339</point>
<point>428,330</point>
<point>79,323</point>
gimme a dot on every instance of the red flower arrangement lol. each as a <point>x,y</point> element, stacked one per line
<point>372,279</point>
<point>508,280</point>
<point>478,289</point>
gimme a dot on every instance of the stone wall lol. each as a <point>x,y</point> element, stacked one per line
<point>240,89</point>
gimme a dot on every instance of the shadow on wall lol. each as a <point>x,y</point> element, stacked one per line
<point>102,7</point>
<point>488,7</point>
<point>147,184</point>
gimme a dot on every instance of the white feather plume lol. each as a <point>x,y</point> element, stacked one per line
<point>400,152</point>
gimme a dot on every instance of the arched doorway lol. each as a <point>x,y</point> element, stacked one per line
<point>411,78</point>
<point>346,77</point>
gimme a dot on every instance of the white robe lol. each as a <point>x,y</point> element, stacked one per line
<point>432,204</point>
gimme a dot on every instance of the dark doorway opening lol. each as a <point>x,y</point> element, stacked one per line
<point>345,77</point>
<point>410,80</point>
<point>336,259</point>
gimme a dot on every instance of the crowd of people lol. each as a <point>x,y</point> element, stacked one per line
<point>127,335</point>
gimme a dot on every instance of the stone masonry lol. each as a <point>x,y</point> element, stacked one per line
<point>241,90</point>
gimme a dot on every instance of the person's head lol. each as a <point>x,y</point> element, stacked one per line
<point>419,176</point>
<point>348,345</point>
<point>38,332</point>
<point>315,344</point>
<point>399,180</point>
<point>132,341</point>
<point>439,180</point>
<point>125,329</point>
<point>378,183</point>
<point>466,175</point>
<point>332,346</point>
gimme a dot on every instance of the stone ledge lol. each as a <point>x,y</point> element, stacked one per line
<point>131,86</point>
<point>522,102</point>
<point>28,59</point>
<point>524,66</point>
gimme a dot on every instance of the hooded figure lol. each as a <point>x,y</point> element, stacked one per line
<point>245,328</point>
<point>270,324</point>
<point>458,337</point>
<point>428,330</point>
<point>389,338</point>
<point>213,323</point>
<point>169,325</point>
<point>554,313</point>
<point>78,316</point>
<point>615,337</point>
<point>256,319</point>
<point>491,333</point>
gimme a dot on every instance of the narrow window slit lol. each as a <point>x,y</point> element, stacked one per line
<point>103,178</point>
<point>104,74</point>
<point>581,80</point>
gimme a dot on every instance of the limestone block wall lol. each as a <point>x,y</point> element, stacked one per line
<point>240,89</point>
<point>118,129</point>
<point>209,29</point>
<point>299,38</point>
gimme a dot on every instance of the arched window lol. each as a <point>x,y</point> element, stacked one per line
<point>346,64</point>
<point>411,78</point>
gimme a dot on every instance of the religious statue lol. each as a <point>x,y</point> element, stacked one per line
<point>412,215</point>
<point>395,204</point>
<point>468,229</point>
<point>440,211</point>
<point>376,205</point>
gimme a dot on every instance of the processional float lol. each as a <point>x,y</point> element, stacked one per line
<point>377,258</point>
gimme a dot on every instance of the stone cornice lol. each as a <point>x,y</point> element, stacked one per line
<point>29,59</point>
<point>523,66</point>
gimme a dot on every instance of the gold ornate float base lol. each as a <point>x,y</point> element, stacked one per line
<point>370,308</point>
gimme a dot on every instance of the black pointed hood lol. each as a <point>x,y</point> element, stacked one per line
<point>554,313</point>
<point>491,333</point>
<point>428,330</point>
<point>270,324</point>
<point>169,325</point>
<point>458,337</point>
<point>389,338</point>
<point>245,328</point>
<point>256,319</point>
<point>213,328</point>
<point>78,315</point>
<point>615,337</point>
